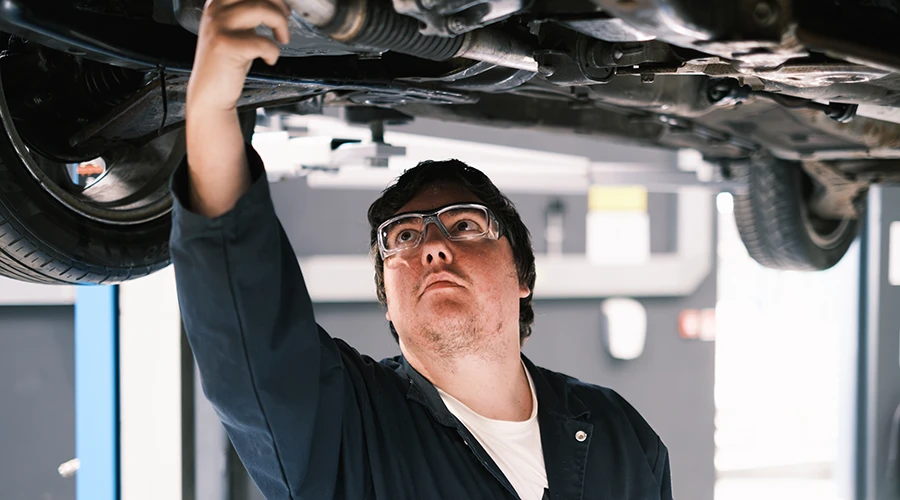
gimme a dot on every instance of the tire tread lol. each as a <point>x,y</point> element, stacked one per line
<point>770,221</point>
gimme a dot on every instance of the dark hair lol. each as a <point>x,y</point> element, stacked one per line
<point>454,171</point>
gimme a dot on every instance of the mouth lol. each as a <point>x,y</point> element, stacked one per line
<point>439,282</point>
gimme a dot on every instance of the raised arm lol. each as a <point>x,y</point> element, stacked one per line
<point>226,47</point>
<point>276,380</point>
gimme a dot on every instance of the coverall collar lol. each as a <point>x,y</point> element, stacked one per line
<point>550,399</point>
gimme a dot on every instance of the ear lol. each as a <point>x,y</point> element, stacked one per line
<point>387,314</point>
<point>524,291</point>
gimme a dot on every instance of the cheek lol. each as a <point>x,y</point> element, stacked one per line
<point>389,286</point>
<point>511,277</point>
<point>499,272</point>
<point>396,279</point>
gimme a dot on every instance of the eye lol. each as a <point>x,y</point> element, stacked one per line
<point>405,236</point>
<point>466,226</point>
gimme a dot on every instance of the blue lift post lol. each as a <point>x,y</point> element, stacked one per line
<point>97,393</point>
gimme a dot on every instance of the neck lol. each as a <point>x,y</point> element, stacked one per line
<point>495,387</point>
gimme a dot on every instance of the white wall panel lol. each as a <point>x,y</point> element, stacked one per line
<point>150,388</point>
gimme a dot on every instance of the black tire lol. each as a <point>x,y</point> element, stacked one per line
<point>45,240</point>
<point>55,231</point>
<point>776,225</point>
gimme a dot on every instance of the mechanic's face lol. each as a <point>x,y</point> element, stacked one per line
<point>452,297</point>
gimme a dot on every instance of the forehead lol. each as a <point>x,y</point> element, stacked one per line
<point>436,195</point>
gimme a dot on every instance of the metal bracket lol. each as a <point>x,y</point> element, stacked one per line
<point>454,17</point>
<point>375,154</point>
<point>838,198</point>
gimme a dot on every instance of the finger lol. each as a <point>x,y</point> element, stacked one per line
<point>280,4</point>
<point>248,46</point>
<point>283,6</point>
<point>269,51</point>
<point>282,34</point>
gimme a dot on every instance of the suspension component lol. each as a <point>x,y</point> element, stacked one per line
<point>728,91</point>
<point>373,24</point>
<point>109,85</point>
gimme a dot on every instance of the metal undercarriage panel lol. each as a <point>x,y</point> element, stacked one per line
<point>789,94</point>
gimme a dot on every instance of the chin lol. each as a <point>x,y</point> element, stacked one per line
<point>448,315</point>
<point>436,308</point>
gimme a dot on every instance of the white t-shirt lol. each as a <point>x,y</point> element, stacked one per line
<point>514,446</point>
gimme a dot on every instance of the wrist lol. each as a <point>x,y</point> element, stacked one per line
<point>207,115</point>
<point>201,99</point>
<point>199,106</point>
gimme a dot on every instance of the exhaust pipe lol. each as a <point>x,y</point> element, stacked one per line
<point>373,24</point>
<point>495,47</point>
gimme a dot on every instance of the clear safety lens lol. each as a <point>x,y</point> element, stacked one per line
<point>459,223</point>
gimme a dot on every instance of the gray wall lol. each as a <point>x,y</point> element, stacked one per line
<point>878,453</point>
<point>37,401</point>
<point>347,230</point>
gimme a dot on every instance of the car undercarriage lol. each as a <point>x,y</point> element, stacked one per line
<point>801,99</point>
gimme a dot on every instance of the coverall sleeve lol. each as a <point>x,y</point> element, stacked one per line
<point>654,449</point>
<point>275,378</point>
<point>663,473</point>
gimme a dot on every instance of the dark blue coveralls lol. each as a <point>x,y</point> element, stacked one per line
<point>311,418</point>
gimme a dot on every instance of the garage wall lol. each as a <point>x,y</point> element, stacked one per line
<point>37,401</point>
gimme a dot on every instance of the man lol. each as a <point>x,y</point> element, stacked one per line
<point>461,414</point>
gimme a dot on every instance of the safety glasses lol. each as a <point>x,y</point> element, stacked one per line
<point>461,221</point>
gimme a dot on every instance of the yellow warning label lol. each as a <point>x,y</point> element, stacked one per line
<point>631,198</point>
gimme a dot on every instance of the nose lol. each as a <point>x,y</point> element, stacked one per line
<point>435,247</point>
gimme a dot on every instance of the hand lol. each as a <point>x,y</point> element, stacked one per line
<point>227,45</point>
